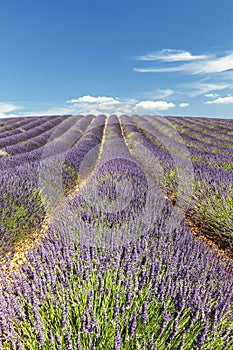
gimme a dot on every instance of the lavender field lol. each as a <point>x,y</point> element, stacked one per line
<point>116,233</point>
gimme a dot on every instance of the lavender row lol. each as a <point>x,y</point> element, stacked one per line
<point>6,121</point>
<point>214,148</point>
<point>10,144</point>
<point>22,209</point>
<point>24,124</point>
<point>160,290</point>
<point>209,199</point>
<point>218,122</point>
<point>223,136</point>
<point>55,177</point>
<point>111,149</point>
<point>207,124</point>
<point>84,154</point>
<point>65,135</point>
<point>160,165</point>
<point>20,127</point>
<point>208,139</point>
<point>211,160</point>
<point>110,198</point>
<point>31,150</point>
<point>10,124</point>
<point>199,140</point>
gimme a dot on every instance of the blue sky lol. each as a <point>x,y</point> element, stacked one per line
<point>132,57</point>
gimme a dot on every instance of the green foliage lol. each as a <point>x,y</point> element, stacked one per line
<point>217,151</point>
<point>227,166</point>
<point>213,208</point>
<point>4,154</point>
<point>196,158</point>
<point>65,310</point>
<point>15,218</point>
<point>70,168</point>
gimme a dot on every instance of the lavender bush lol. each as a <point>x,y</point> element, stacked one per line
<point>210,202</point>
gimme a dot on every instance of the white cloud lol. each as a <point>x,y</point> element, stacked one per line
<point>73,100</point>
<point>169,55</point>
<point>92,99</point>
<point>6,108</point>
<point>158,94</point>
<point>90,105</point>
<point>203,87</point>
<point>154,105</point>
<point>94,105</point>
<point>217,65</point>
<point>9,115</point>
<point>162,93</point>
<point>211,95</point>
<point>101,105</point>
<point>200,64</point>
<point>183,104</point>
<point>111,105</point>
<point>221,100</point>
<point>159,70</point>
